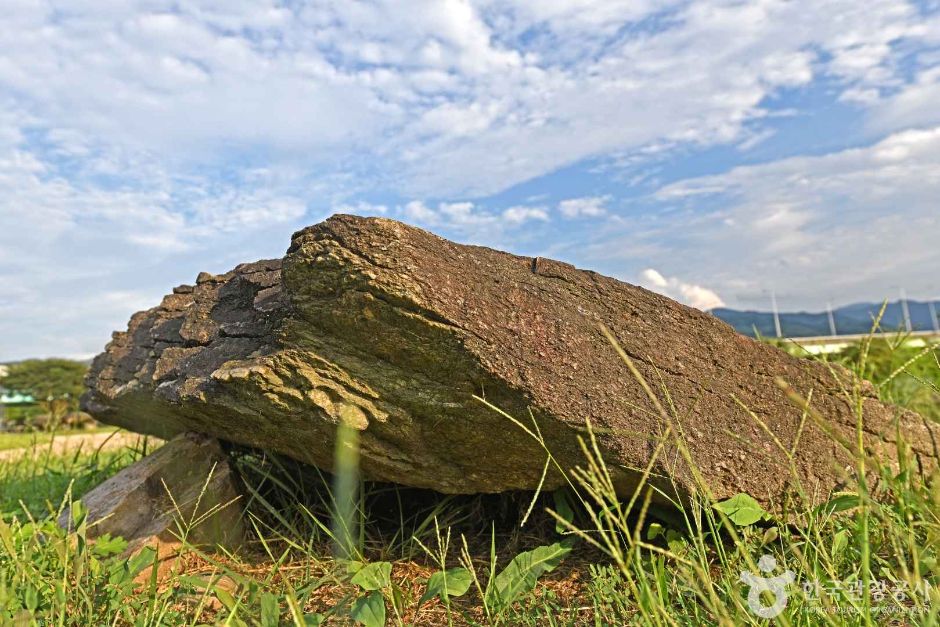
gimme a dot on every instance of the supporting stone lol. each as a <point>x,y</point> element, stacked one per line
<point>184,492</point>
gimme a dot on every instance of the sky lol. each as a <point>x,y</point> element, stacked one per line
<point>714,151</point>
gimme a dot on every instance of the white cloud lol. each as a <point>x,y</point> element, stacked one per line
<point>861,96</point>
<point>445,98</point>
<point>520,214</point>
<point>701,81</point>
<point>418,212</point>
<point>688,293</point>
<point>860,222</point>
<point>236,211</point>
<point>77,259</point>
<point>462,213</point>
<point>470,219</point>
<point>590,206</point>
<point>913,105</point>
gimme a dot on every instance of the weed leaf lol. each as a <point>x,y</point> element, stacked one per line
<point>225,598</point>
<point>142,560</point>
<point>742,510</point>
<point>106,545</point>
<point>369,610</point>
<point>522,573</point>
<point>454,583</point>
<point>270,612</point>
<point>839,542</point>
<point>375,576</point>
<point>563,509</point>
<point>838,504</point>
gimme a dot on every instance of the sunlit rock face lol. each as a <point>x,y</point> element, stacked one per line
<point>400,334</point>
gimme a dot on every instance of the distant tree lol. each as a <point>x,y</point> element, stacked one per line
<point>56,384</point>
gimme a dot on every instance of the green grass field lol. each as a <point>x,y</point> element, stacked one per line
<point>578,556</point>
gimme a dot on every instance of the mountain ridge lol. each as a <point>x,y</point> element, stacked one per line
<point>849,319</point>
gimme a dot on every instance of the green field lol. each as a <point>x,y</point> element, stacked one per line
<point>578,556</point>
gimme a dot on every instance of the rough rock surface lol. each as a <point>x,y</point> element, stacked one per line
<point>394,330</point>
<point>152,502</point>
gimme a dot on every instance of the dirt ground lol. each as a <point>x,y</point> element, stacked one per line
<point>87,442</point>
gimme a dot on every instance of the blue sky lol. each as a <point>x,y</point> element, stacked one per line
<point>710,150</point>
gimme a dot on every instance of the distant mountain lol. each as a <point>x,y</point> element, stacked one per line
<point>856,318</point>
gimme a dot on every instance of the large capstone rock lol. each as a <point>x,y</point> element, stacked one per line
<point>394,331</point>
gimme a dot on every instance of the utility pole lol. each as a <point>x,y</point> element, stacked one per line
<point>905,311</point>
<point>773,300</point>
<point>832,320</point>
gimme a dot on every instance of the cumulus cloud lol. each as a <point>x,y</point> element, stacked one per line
<point>588,206</point>
<point>860,222</point>
<point>675,288</point>
<point>236,211</point>
<point>418,212</point>
<point>470,219</point>
<point>520,214</point>
<point>447,98</point>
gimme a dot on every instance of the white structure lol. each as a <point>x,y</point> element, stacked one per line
<point>824,344</point>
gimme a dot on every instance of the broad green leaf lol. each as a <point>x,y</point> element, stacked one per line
<point>742,510</point>
<point>676,542</point>
<point>270,612</point>
<point>6,540</point>
<point>398,598</point>
<point>563,509</point>
<point>654,531</point>
<point>225,598</point>
<point>838,504</point>
<point>839,541</point>
<point>369,610</point>
<point>375,576</point>
<point>78,513</point>
<point>454,583</point>
<point>123,572</point>
<point>106,545</point>
<point>31,598</point>
<point>142,560</point>
<point>522,573</point>
<point>352,566</point>
<point>313,620</point>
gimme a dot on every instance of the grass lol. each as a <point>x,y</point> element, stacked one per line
<point>577,556</point>
<point>906,370</point>
<point>34,485</point>
<point>10,441</point>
